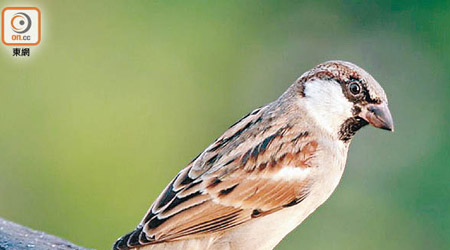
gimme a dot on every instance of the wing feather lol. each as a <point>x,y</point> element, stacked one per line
<point>233,181</point>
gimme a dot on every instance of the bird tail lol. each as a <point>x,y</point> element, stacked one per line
<point>132,240</point>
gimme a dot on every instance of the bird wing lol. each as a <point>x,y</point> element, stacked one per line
<point>233,181</point>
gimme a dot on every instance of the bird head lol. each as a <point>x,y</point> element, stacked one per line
<point>342,98</point>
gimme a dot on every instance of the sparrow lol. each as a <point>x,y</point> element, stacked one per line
<point>270,170</point>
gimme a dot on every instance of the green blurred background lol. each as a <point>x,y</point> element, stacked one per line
<point>120,95</point>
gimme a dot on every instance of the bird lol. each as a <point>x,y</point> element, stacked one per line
<point>270,170</point>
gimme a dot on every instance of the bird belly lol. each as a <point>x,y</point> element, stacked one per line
<point>267,231</point>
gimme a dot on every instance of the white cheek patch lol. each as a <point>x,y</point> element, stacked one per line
<point>327,104</point>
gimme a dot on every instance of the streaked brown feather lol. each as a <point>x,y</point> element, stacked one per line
<point>231,182</point>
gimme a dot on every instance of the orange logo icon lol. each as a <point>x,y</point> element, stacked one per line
<point>21,26</point>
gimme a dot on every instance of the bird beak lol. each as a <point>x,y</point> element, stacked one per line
<point>378,115</point>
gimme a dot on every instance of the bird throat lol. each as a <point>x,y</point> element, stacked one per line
<point>349,128</point>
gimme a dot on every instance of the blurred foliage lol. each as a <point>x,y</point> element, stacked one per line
<point>120,95</point>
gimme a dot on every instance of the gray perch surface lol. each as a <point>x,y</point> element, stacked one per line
<point>16,237</point>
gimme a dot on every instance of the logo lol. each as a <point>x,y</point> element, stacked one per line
<point>21,26</point>
<point>21,23</point>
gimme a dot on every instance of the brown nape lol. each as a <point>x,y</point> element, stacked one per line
<point>349,128</point>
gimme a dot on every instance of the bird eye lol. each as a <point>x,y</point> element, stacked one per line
<point>354,88</point>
